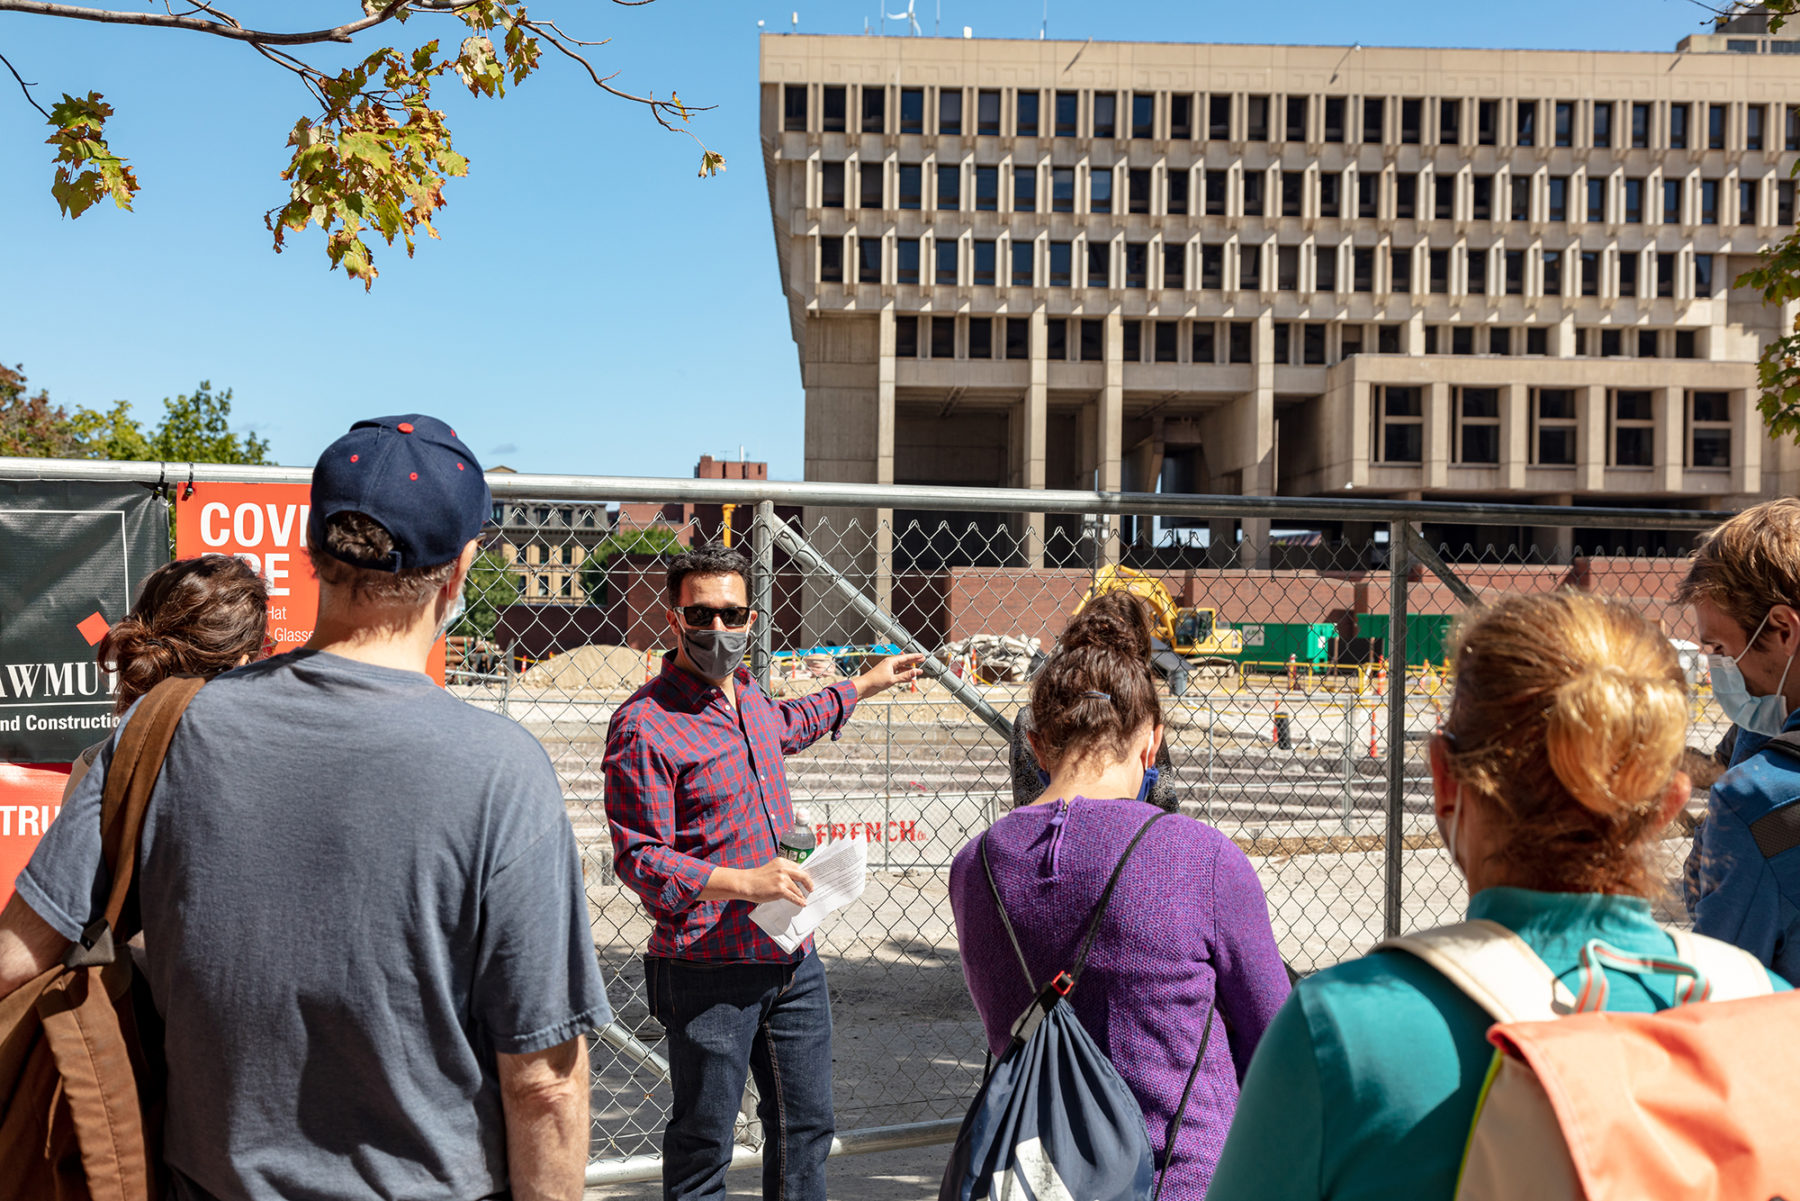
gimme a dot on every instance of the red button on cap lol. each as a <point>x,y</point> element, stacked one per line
<point>353,458</point>
<point>413,476</point>
<point>460,467</point>
<point>404,427</point>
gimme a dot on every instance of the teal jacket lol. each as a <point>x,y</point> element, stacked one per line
<point>1365,1084</point>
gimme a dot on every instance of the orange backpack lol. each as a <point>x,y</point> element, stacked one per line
<point>1697,1102</point>
<point>80,1090</point>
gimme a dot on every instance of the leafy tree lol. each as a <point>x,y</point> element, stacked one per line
<point>375,155</point>
<point>30,426</point>
<point>492,585</point>
<point>194,429</point>
<point>655,539</point>
<point>197,429</point>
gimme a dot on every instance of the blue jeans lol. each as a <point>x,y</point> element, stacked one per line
<point>729,1020</point>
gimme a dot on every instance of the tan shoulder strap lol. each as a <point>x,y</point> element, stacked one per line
<point>1733,972</point>
<point>1493,966</point>
<point>129,781</point>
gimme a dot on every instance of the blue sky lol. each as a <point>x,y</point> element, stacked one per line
<point>593,307</point>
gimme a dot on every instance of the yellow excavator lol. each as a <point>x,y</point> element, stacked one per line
<point>1180,637</point>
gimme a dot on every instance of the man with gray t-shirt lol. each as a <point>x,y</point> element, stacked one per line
<point>362,903</point>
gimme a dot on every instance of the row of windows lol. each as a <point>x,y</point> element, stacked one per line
<point>1277,192</point>
<point>1631,436</point>
<point>1295,343</point>
<point>1240,117</point>
<point>1462,271</point>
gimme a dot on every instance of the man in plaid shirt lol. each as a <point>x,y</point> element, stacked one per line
<point>697,797</point>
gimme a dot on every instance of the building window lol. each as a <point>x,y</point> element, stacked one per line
<point>1406,196</point>
<point>1018,338</point>
<point>1249,268</point>
<point>1331,195</point>
<point>1056,339</point>
<point>981,337</point>
<point>1168,341</point>
<point>946,262</point>
<point>1256,119</point>
<point>1325,268</point>
<point>831,260</point>
<point>1137,190</point>
<point>1703,275</point>
<point>1240,341</point>
<point>1603,115</point>
<point>987,112</point>
<point>1293,191</point>
<point>906,336</point>
<point>1640,126</point>
<point>868,195</point>
<point>1499,340</point>
<point>1400,417</point>
<point>1062,258</point>
<point>1253,193</point>
<point>1685,345</point>
<point>912,110</point>
<point>1478,271</point>
<point>1133,350</point>
<point>1559,198</point>
<point>1553,418</point>
<point>1362,269</point>
<point>1204,342</point>
<point>1647,344</point>
<point>1181,117</point>
<point>1709,202</point>
<point>906,261</point>
<point>1596,199</point>
<point>1283,349</point>
<point>1590,273</point>
<point>1565,123</point>
<point>1100,191</point>
<point>1143,115</point>
<point>985,273</point>
<point>1287,268</point>
<point>1313,344</point>
<point>1634,202</point>
<point>1628,274</point>
<point>1068,114</point>
<point>1025,115</point>
<point>831,185</point>
<point>1372,114</point>
<point>1106,114</point>
<point>1709,429</point>
<point>1755,117</point>
<point>950,111</point>
<point>1487,122</point>
<point>1412,118</point>
<point>943,337</point>
<point>1387,339</point>
<point>1784,202</point>
<point>874,109</point>
<point>1400,270</point>
<point>1350,341</point>
<point>1218,118</point>
<point>911,187</point>
<point>1553,272</point>
<point>1137,265</point>
<point>1481,197</point>
<point>1537,341</point>
<point>1296,118</point>
<point>834,109</point>
<point>1024,189</point>
<point>1525,123</point>
<point>1443,193</point>
<point>1449,122</point>
<point>1099,258</point>
<point>1634,429</point>
<point>1671,191</point>
<point>1478,425</point>
<point>1715,127</point>
<point>793,106</point>
<point>1093,340</point>
<point>1023,264</point>
<point>1212,268</point>
<point>1792,134</point>
<point>1174,266</point>
<point>949,189</point>
<point>1215,193</point>
<point>1334,118</point>
<point>868,260</point>
<point>1520,187</point>
<point>1175,188</point>
<point>1515,273</point>
<point>1438,271</point>
<point>1678,126</point>
<point>1062,189</point>
<point>1368,196</point>
<point>1747,202</point>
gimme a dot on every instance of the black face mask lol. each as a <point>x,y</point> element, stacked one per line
<point>715,654</point>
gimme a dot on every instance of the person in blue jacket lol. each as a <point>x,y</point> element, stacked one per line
<point>1743,884</point>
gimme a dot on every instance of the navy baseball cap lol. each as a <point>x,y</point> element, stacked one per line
<point>414,476</point>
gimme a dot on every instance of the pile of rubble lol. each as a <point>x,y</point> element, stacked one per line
<point>994,658</point>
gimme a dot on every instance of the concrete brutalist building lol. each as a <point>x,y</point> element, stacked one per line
<point>1284,270</point>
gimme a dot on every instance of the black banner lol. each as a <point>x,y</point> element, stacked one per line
<point>72,557</point>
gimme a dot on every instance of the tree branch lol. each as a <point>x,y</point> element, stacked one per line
<point>25,87</point>
<point>338,33</point>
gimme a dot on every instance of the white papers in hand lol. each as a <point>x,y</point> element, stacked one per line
<point>839,869</point>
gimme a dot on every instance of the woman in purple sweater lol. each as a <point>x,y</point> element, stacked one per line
<point>1187,924</point>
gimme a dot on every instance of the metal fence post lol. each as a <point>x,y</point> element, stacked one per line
<point>1349,741</point>
<point>762,591</point>
<point>1396,760</point>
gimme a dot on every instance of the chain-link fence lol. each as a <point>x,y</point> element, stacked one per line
<point>1305,666</point>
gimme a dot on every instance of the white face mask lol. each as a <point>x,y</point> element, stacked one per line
<point>1764,715</point>
<point>456,610</point>
<point>1450,829</point>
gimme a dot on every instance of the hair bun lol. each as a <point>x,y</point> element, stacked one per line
<point>1613,738</point>
<point>1118,621</point>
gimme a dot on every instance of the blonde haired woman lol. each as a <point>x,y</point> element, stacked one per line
<point>1554,776</point>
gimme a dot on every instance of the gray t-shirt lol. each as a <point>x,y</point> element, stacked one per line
<point>355,890</point>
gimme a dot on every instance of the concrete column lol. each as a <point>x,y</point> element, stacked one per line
<point>1671,439</point>
<point>1747,441</point>
<point>1253,441</point>
<point>1515,435</point>
<point>1037,410</point>
<point>1110,427</point>
<point>884,457</point>
<point>1412,338</point>
<point>1590,438</point>
<point>1554,544</point>
<point>1436,467</point>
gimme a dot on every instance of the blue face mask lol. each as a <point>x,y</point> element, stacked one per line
<point>1150,774</point>
<point>1764,715</point>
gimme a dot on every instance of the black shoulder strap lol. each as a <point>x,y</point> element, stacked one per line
<point>1011,935</point>
<point>1787,743</point>
<point>1188,1091</point>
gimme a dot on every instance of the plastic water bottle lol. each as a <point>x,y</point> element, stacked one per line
<point>799,842</point>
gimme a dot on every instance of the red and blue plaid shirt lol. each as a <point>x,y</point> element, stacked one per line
<point>693,784</point>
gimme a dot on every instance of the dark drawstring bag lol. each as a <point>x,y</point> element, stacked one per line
<point>1053,1118</point>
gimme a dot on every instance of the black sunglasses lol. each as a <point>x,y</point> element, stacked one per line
<point>700,617</point>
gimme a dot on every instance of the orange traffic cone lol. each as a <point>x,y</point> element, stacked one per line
<point>1373,752</point>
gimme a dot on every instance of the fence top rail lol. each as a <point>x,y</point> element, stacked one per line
<point>524,486</point>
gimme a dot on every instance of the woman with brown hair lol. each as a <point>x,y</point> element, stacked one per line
<point>1554,774</point>
<point>1186,930</point>
<point>193,617</point>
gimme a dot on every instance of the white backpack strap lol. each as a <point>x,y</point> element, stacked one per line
<point>1493,966</point>
<point>1733,972</point>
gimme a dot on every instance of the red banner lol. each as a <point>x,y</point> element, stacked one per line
<point>30,798</point>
